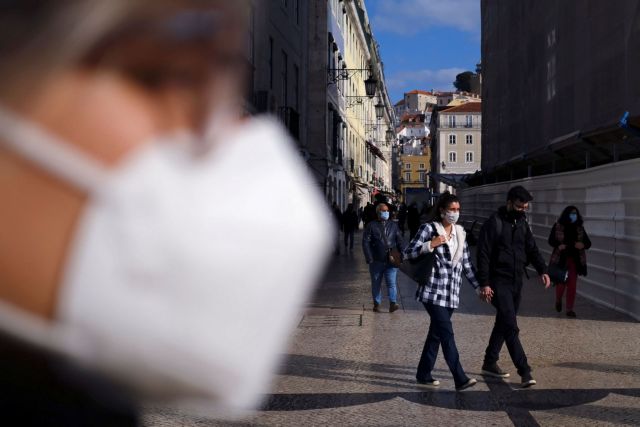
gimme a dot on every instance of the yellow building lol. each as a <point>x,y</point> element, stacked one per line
<point>415,165</point>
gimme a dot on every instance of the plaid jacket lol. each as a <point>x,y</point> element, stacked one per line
<point>443,286</point>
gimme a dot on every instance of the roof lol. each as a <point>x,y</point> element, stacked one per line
<point>401,102</point>
<point>469,107</point>
<point>419,92</point>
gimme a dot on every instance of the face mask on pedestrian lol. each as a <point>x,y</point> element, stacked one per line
<point>573,217</point>
<point>384,215</point>
<point>452,217</point>
<point>161,288</point>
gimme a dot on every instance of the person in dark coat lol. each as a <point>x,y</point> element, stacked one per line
<point>505,246</point>
<point>570,241</point>
<point>337,219</point>
<point>378,239</point>
<point>349,225</point>
<point>369,214</point>
<point>413,219</point>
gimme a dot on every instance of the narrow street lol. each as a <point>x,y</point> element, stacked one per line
<point>347,365</point>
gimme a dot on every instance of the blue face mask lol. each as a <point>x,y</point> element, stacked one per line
<point>384,216</point>
<point>573,217</point>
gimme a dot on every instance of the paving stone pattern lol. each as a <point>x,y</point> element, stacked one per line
<point>349,366</point>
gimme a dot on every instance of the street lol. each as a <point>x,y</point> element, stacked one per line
<point>347,365</point>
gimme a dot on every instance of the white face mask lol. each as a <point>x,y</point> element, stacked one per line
<point>164,288</point>
<point>452,217</point>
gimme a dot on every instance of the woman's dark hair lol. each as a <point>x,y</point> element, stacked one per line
<point>444,201</point>
<point>564,216</point>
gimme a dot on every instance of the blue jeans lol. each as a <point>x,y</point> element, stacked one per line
<point>378,269</point>
<point>440,332</point>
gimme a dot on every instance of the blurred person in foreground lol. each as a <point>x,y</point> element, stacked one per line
<point>122,279</point>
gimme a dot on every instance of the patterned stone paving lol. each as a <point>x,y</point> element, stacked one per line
<point>348,366</point>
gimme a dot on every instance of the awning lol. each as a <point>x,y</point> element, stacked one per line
<point>453,179</point>
<point>375,150</point>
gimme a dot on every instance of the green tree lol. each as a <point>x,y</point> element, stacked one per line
<point>463,81</point>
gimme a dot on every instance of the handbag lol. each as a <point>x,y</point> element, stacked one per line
<point>419,269</point>
<point>393,255</point>
<point>558,274</point>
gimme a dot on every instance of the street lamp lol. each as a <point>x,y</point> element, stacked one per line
<point>379,110</point>
<point>370,86</point>
<point>390,135</point>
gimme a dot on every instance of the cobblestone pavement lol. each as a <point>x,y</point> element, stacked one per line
<point>349,366</point>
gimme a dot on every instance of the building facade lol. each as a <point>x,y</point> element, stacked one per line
<point>457,144</point>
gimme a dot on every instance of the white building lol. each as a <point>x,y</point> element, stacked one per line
<point>458,143</point>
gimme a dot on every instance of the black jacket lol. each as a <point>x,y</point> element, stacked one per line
<point>349,220</point>
<point>373,241</point>
<point>501,259</point>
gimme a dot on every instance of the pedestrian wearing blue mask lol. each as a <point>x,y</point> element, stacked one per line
<point>570,241</point>
<point>383,245</point>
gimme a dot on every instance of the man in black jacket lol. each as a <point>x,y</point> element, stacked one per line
<point>378,239</point>
<point>505,246</point>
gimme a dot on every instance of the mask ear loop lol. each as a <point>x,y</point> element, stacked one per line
<point>44,149</point>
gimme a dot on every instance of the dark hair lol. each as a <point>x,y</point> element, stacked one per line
<point>519,193</point>
<point>444,201</point>
<point>564,216</point>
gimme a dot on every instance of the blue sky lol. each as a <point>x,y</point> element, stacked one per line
<point>425,43</point>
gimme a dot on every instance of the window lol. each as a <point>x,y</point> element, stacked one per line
<point>468,157</point>
<point>452,121</point>
<point>270,62</point>
<point>407,165</point>
<point>469,139</point>
<point>452,157</point>
<point>296,87</point>
<point>285,78</point>
<point>422,176</point>
<point>452,140</point>
<point>407,176</point>
<point>421,165</point>
<point>469,121</point>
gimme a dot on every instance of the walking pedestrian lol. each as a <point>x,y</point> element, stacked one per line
<point>379,238</point>
<point>402,217</point>
<point>439,293</point>
<point>570,242</point>
<point>117,119</point>
<point>413,219</point>
<point>349,226</point>
<point>337,220</point>
<point>506,244</point>
<point>369,214</point>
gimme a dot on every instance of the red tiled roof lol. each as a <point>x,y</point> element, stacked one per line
<point>469,107</point>
<point>421,92</point>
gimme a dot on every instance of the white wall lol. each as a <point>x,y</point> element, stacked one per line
<point>608,197</point>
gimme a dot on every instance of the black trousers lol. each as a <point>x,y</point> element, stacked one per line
<point>506,300</point>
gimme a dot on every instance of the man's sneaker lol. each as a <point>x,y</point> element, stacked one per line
<point>376,307</point>
<point>571,313</point>
<point>527,381</point>
<point>493,370</point>
<point>467,385</point>
<point>428,383</point>
<point>558,306</point>
<point>393,307</point>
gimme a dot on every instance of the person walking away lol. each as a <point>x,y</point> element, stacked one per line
<point>505,245</point>
<point>337,219</point>
<point>349,226</point>
<point>369,214</point>
<point>570,242</point>
<point>402,217</point>
<point>413,219</point>
<point>439,293</point>
<point>378,239</point>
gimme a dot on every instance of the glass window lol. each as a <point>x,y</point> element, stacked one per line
<point>407,176</point>
<point>452,140</point>
<point>469,139</point>
<point>468,157</point>
<point>469,121</point>
<point>421,165</point>
<point>407,165</point>
<point>452,157</point>
<point>452,121</point>
<point>421,176</point>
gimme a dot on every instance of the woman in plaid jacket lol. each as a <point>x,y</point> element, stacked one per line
<point>439,293</point>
